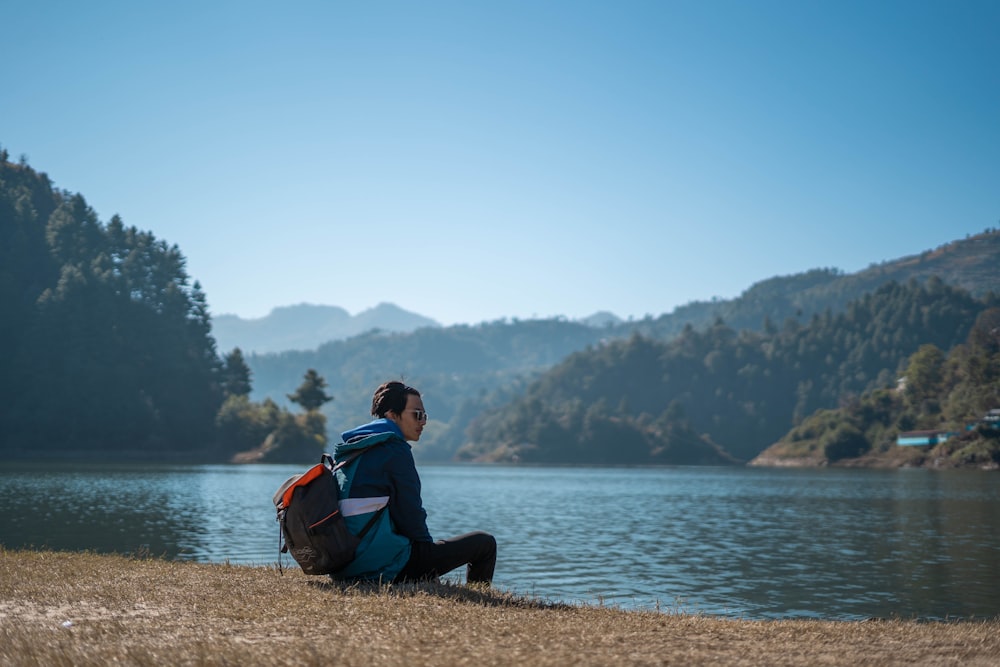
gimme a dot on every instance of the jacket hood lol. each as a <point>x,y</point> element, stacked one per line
<point>368,434</point>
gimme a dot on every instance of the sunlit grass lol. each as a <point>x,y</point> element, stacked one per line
<point>88,609</point>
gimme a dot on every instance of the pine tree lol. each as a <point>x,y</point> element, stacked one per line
<point>236,374</point>
<point>310,394</point>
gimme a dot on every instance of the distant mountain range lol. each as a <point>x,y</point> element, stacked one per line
<point>307,326</point>
<point>970,263</point>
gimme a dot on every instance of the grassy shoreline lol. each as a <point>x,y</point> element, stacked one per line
<point>61,608</point>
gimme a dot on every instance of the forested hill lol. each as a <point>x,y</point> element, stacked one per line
<point>639,400</point>
<point>969,263</point>
<point>106,341</point>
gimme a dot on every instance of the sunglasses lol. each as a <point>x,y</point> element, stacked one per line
<point>421,415</point>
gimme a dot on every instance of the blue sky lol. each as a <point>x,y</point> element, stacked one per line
<point>477,160</point>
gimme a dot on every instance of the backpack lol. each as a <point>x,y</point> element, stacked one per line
<point>311,527</point>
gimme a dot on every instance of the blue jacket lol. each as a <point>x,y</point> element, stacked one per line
<point>383,475</point>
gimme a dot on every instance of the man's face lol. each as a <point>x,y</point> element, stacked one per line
<point>408,422</point>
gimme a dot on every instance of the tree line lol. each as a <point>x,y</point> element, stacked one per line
<point>107,341</point>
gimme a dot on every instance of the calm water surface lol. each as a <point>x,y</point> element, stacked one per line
<point>740,542</point>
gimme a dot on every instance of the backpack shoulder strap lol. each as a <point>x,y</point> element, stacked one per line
<point>334,465</point>
<point>344,481</point>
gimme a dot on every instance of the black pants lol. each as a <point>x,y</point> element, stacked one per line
<point>478,550</point>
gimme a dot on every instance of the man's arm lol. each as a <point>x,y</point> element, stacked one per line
<point>405,505</point>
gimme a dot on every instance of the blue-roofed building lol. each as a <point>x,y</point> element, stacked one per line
<point>922,438</point>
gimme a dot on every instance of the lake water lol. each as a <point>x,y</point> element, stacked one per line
<point>735,542</point>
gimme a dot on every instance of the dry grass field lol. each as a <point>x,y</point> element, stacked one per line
<point>86,609</point>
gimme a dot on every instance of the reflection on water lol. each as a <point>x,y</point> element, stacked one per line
<point>208,513</point>
<point>747,542</point>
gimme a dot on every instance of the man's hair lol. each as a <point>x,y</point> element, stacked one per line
<point>391,397</point>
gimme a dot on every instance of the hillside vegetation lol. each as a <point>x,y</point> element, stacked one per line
<point>938,391</point>
<point>641,400</point>
<point>106,340</point>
